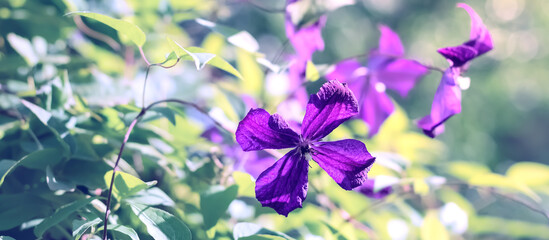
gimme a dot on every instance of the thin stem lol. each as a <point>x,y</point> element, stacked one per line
<point>145,86</point>
<point>126,137</point>
<point>143,56</point>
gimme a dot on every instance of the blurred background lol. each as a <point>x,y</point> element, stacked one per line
<point>504,118</point>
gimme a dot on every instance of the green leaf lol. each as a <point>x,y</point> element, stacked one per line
<point>161,224</point>
<point>16,209</point>
<point>42,158</point>
<point>252,73</point>
<point>245,230</point>
<point>55,184</point>
<point>432,228</point>
<point>79,227</point>
<point>529,173</point>
<point>43,115</point>
<point>246,186</point>
<point>24,47</point>
<point>200,59</point>
<point>166,112</point>
<point>170,60</point>
<point>311,72</point>
<point>59,215</point>
<point>151,196</point>
<point>124,184</point>
<point>241,39</point>
<point>127,233</point>
<point>214,203</point>
<point>6,166</point>
<point>502,182</point>
<point>127,29</point>
<point>199,55</point>
<point>6,238</point>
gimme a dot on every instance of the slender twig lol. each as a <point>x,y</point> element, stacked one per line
<point>143,56</point>
<point>127,135</point>
<point>539,209</point>
<point>325,201</point>
<point>145,86</point>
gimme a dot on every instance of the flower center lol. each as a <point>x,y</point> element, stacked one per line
<point>304,146</point>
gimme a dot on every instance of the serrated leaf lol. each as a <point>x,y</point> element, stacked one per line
<point>214,203</point>
<point>124,184</point>
<point>55,184</point>
<point>59,215</point>
<point>200,59</point>
<point>129,30</point>
<point>245,230</point>
<point>161,225</point>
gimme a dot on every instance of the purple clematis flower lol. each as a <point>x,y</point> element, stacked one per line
<point>283,186</point>
<point>306,40</point>
<point>387,69</point>
<point>447,101</point>
<point>368,190</point>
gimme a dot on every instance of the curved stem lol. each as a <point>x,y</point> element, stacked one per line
<point>127,136</point>
<point>145,86</point>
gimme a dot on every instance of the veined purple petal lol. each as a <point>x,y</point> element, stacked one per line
<point>400,75</point>
<point>480,38</point>
<point>368,189</point>
<point>307,39</point>
<point>344,161</point>
<point>376,106</point>
<point>458,55</point>
<point>389,42</point>
<point>447,102</point>
<point>332,105</point>
<point>283,186</point>
<point>260,130</point>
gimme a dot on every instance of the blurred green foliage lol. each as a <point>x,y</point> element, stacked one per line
<point>70,86</point>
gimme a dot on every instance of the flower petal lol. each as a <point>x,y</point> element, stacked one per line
<point>480,38</point>
<point>400,75</point>
<point>347,71</point>
<point>389,42</point>
<point>306,39</point>
<point>259,130</point>
<point>283,186</point>
<point>447,102</point>
<point>458,55</point>
<point>368,189</point>
<point>375,107</point>
<point>332,105</point>
<point>344,161</point>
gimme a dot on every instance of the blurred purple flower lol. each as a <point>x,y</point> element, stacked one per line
<point>367,188</point>
<point>386,69</point>
<point>283,186</point>
<point>447,101</point>
<point>306,40</point>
